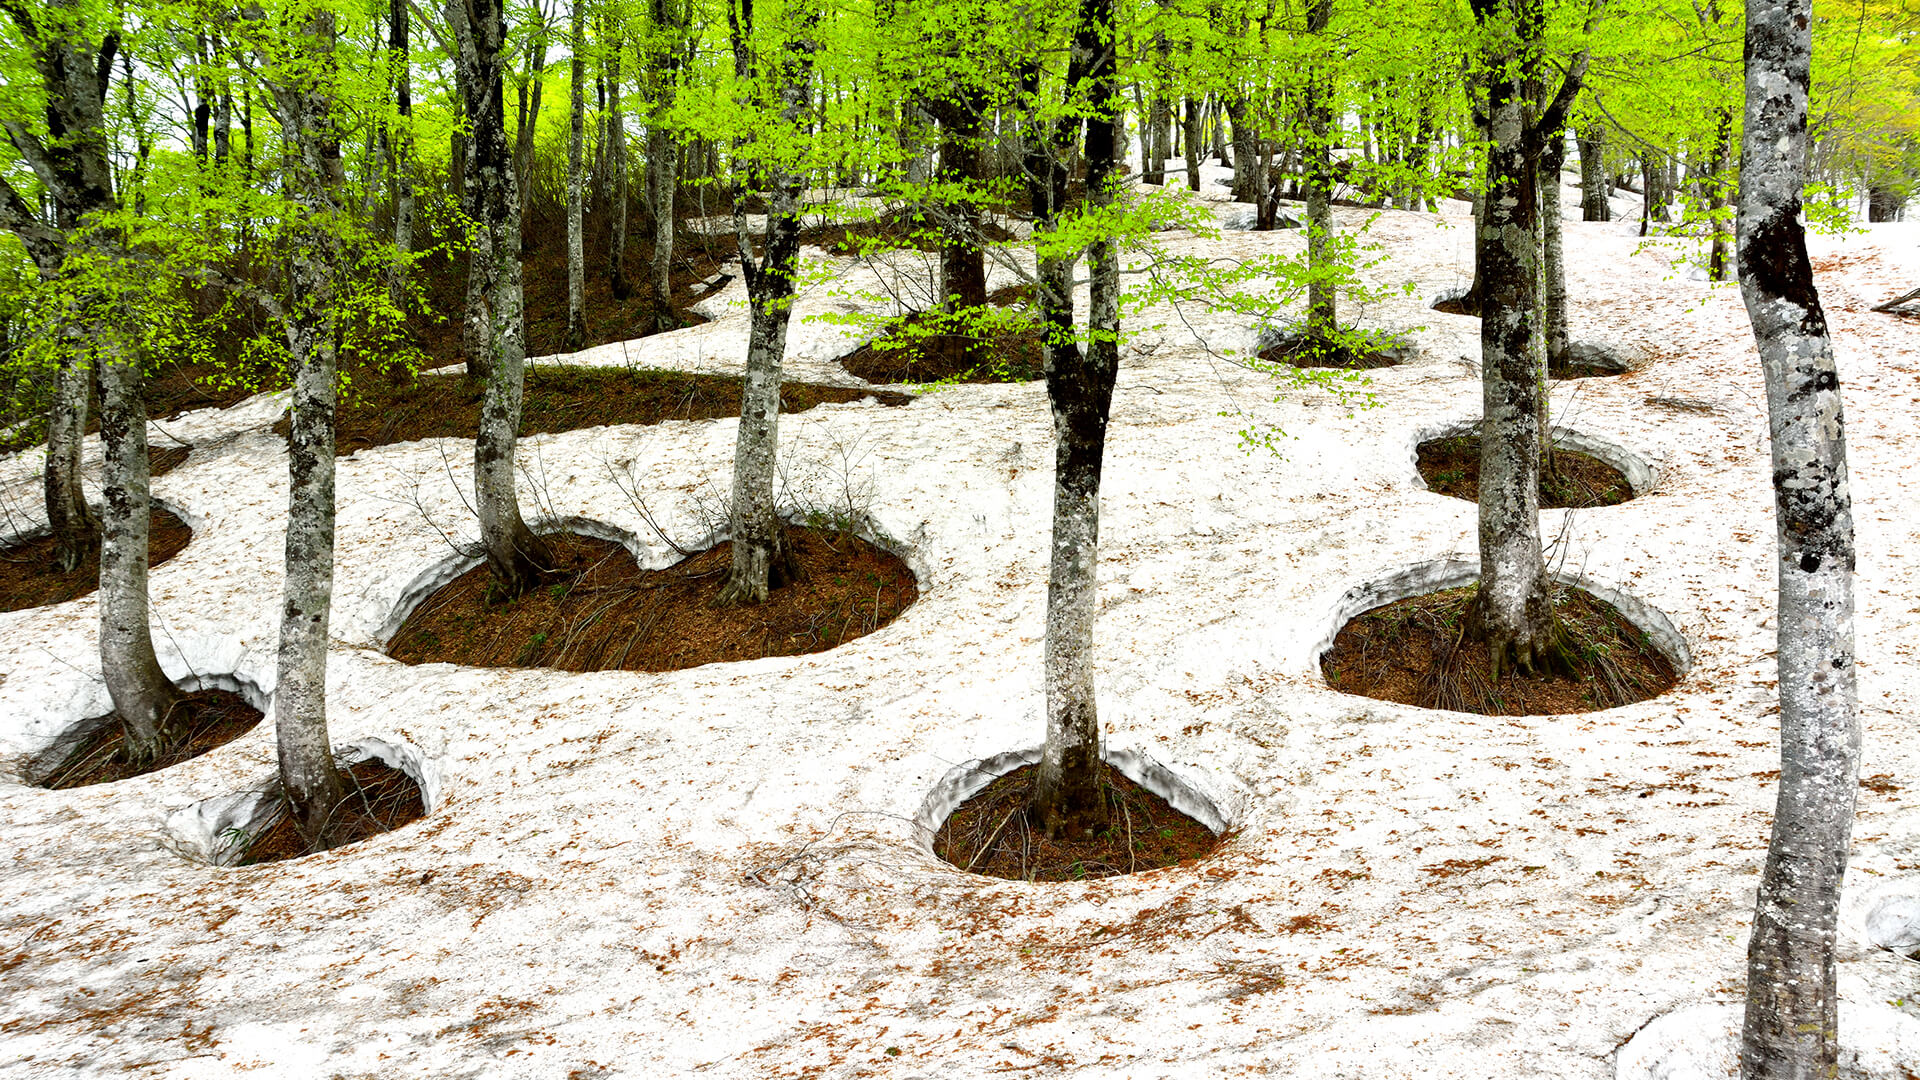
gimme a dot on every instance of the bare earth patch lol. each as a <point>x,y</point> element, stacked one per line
<point>380,799</point>
<point>1574,480</point>
<point>602,612</point>
<point>202,721</point>
<point>27,579</point>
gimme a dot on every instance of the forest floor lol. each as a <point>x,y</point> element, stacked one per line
<point>728,870</point>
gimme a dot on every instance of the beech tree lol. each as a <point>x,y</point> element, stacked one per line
<point>495,316</point>
<point>300,80</point>
<point>1512,609</point>
<point>1791,1026</point>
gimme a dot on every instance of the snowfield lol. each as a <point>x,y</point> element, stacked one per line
<point>725,871</point>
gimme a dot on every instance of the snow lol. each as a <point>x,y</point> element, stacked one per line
<point>724,871</point>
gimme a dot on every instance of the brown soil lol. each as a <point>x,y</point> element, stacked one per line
<point>380,799</point>
<point>989,834</point>
<point>1576,481</point>
<point>1311,353</point>
<point>1466,304</point>
<point>162,462</point>
<point>899,229</point>
<point>27,579</point>
<point>1415,652</point>
<point>557,398</point>
<point>1005,355</point>
<point>602,612</point>
<point>203,720</point>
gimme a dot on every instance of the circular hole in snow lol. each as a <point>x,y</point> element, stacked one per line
<point>29,578</point>
<point>214,711</point>
<point>602,610</point>
<point>390,784</point>
<point>975,819</point>
<point>1402,637</point>
<point>1289,346</point>
<point>1587,471</point>
<point>1702,1042</point>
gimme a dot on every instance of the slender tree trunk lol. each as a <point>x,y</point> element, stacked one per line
<point>516,559</point>
<point>529,112</point>
<point>1554,262</point>
<point>1154,139</point>
<point>762,561</point>
<point>576,183</point>
<point>1791,1026</point>
<point>1317,160</point>
<point>1067,795</point>
<point>1195,152</point>
<point>663,167</point>
<point>1718,257</point>
<point>1593,176</point>
<point>963,266</point>
<point>1246,172</point>
<point>76,532</point>
<point>402,151</point>
<point>141,691</point>
<point>616,201</point>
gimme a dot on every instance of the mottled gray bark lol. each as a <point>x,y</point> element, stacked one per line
<point>1249,179</point>
<point>663,161</point>
<point>76,532</point>
<point>576,184</point>
<point>516,559</point>
<point>141,692</point>
<point>1195,152</point>
<point>1317,181</point>
<point>303,106</point>
<point>616,155</point>
<point>1067,796</point>
<point>762,561</point>
<point>1512,608</point>
<point>1790,1031</point>
<point>1554,270</point>
<point>1593,176</point>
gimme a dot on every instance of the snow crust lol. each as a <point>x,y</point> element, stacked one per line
<point>723,871</point>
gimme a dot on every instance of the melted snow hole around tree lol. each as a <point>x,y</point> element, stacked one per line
<point>1878,1040</point>
<point>610,603</point>
<point>213,710</point>
<point>1291,347</point>
<point>389,783</point>
<point>1407,637</point>
<point>29,578</point>
<point>1584,471</point>
<point>977,820</point>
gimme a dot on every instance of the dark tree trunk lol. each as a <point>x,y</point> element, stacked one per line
<point>1884,203</point>
<point>1317,169</point>
<point>1248,177</point>
<point>616,200</point>
<point>1553,265</point>
<point>663,164</point>
<point>1718,256</point>
<point>1791,1026</point>
<point>1195,153</point>
<point>963,265</point>
<point>1593,176</point>
<point>1067,795</point>
<point>576,183</point>
<point>401,150</point>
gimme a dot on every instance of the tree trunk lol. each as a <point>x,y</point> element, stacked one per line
<point>313,785</point>
<point>1512,609</point>
<point>516,559</point>
<point>1317,159</point>
<point>1247,178</point>
<point>141,692</point>
<point>963,266</point>
<point>1791,1026</point>
<point>616,201</point>
<point>76,532</point>
<point>1067,795</point>
<point>1593,176</point>
<point>1195,153</point>
<point>663,168</point>
<point>1154,139</point>
<point>576,182</point>
<point>1554,261</point>
<point>762,561</point>
<point>1718,260</point>
<point>402,151</point>
<point>529,112</point>
<point>1884,203</point>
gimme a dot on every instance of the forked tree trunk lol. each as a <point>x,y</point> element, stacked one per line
<point>1791,1026</point>
<point>576,184</point>
<point>1317,162</point>
<point>762,561</point>
<point>1067,795</point>
<point>142,694</point>
<point>1554,268</point>
<point>308,775</point>
<point>1593,176</point>
<point>516,559</point>
<point>1512,609</point>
